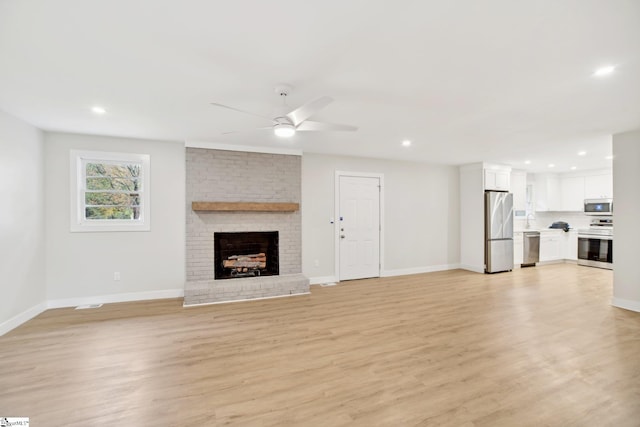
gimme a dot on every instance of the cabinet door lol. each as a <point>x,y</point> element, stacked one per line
<point>503,180</point>
<point>490,179</point>
<point>541,193</point>
<point>549,247</point>
<point>496,179</point>
<point>518,249</point>
<point>519,190</point>
<point>571,250</point>
<point>572,189</point>
<point>554,196</point>
<point>598,186</point>
<point>548,197</point>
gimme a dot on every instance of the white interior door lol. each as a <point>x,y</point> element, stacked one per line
<point>359,227</point>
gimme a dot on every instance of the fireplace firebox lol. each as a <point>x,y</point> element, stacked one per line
<point>245,254</point>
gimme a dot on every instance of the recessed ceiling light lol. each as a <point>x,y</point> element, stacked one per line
<point>551,165</point>
<point>98,110</point>
<point>574,168</point>
<point>582,153</point>
<point>527,162</point>
<point>406,143</point>
<point>604,71</point>
<point>609,157</point>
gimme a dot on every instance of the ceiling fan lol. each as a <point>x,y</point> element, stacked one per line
<point>287,123</point>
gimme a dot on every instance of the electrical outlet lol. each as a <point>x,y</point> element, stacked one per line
<point>316,263</point>
<point>116,275</point>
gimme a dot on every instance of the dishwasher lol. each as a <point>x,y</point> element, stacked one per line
<point>531,248</point>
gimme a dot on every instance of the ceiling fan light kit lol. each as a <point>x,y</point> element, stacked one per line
<point>284,130</point>
<point>286,125</point>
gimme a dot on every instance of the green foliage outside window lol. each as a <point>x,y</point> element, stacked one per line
<point>112,191</point>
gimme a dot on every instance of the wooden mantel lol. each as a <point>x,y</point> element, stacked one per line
<point>245,206</point>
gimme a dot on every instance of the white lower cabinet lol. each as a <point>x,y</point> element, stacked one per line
<point>551,245</point>
<point>555,245</point>
<point>570,249</point>
<point>518,249</point>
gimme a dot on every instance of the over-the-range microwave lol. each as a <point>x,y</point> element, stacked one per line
<point>598,207</point>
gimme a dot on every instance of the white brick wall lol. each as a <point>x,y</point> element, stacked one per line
<point>218,175</point>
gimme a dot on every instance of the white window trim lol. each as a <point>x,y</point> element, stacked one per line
<point>78,223</point>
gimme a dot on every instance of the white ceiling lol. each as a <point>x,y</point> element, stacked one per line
<point>498,80</point>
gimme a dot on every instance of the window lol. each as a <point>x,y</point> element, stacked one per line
<point>110,191</point>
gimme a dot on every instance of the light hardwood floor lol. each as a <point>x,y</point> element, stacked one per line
<point>536,347</point>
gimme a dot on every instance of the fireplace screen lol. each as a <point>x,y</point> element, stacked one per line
<point>245,254</point>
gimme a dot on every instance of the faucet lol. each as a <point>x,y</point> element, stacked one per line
<point>528,225</point>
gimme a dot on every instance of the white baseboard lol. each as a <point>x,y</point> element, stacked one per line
<point>627,304</point>
<point>473,268</point>
<point>21,318</point>
<point>29,314</point>
<point>107,299</point>
<point>322,279</point>
<point>418,270</point>
<point>391,273</point>
<point>555,261</point>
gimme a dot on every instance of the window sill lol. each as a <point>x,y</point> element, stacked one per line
<point>92,227</point>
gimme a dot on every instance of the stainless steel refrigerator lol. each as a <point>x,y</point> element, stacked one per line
<point>498,231</point>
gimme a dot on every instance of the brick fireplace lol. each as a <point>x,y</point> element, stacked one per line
<point>259,181</point>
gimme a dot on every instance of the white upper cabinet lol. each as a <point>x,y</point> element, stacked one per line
<point>572,189</point>
<point>598,186</point>
<point>497,179</point>
<point>548,196</point>
<point>566,192</point>
<point>519,190</point>
<point>554,193</point>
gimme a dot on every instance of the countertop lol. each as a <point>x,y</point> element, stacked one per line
<point>542,230</point>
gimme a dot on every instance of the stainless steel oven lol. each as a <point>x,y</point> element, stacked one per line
<point>595,248</point>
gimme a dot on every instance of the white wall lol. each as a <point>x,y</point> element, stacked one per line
<point>421,214</point>
<point>81,266</point>
<point>472,217</point>
<point>626,196</point>
<point>22,255</point>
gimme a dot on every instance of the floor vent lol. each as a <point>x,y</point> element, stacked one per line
<point>85,306</point>
<point>328,284</point>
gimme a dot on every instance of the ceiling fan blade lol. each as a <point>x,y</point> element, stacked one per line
<point>241,111</point>
<point>243,131</point>
<point>301,114</point>
<point>319,126</point>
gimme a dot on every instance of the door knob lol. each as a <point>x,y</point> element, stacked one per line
<point>342,236</point>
